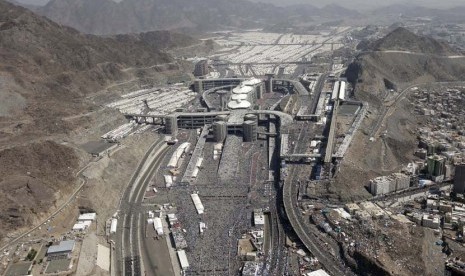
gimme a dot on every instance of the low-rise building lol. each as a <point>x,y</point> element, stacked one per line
<point>374,210</point>
<point>415,217</point>
<point>63,249</point>
<point>258,217</point>
<point>445,207</point>
<point>431,221</point>
<point>432,204</point>
<point>352,208</point>
<point>387,184</point>
<point>87,216</point>
<point>250,269</point>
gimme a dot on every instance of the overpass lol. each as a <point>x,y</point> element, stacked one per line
<point>331,134</point>
<point>301,155</point>
<point>206,86</point>
<point>298,44</point>
<point>213,90</point>
<point>199,119</point>
<point>295,85</point>
<point>305,235</point>
<point>201,85</point>
<point>266,63</point>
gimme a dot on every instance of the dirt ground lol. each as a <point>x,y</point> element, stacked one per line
<point>107,178</point>
<point>366,159</point>
<point>88,255</point>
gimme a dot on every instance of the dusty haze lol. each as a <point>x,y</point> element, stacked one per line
<point>354,4</point>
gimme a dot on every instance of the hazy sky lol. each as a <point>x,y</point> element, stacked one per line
<point>354,4</point>
<point>364,4</point>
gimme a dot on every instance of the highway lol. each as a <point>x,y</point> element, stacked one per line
<point>306,234</point>
<point>278,239</point>
<point>310,237</point>
<point>318,89</point>
<point>132,223</point>
<point>331,133</point>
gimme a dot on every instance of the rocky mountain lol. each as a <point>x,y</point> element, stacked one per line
<point>380,74</point>
<point>406,10</point>
<point>401,39</point>
<point>404,57</point>
<point>335,10</point>
<point>128,16</point>
<point>164,40</point>
<point>46,73</point>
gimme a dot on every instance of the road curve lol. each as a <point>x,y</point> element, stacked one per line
<point>290,205</point>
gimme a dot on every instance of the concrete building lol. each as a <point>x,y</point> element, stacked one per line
<point>388,184</point>
<point>436,165</point>
<point>223,94</point>
<point>220,130</point>
<point>63,249</point>
<point>250,269</point>
<point>82,225</point>
<point>431,221</point>
<point>171,125</point>
<point>269,82</point>
<point>402,181</point>
<point>432,204</point>
<point>258,217</point>
<point>250,131</point>
<point>380,185</point>
<point>201,68</point>
<point>87,216</point>
<point>449,171</point>
<point>352,208</point>
<point>459,179</point>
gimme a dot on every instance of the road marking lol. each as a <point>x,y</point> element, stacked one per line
<point>130,244</point>
<point>122,243</point>
<point>139,168</point>
<point>141,173</point>
<point>141,261</point>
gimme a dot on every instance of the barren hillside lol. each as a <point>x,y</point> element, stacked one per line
<point>379,75</point>
<point>420,59</point>
<point>46,73</point>
<point>402,39</point>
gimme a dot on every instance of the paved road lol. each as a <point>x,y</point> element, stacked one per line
<point>128,252</point>
<point>318,89</point>
<point>306,234</point>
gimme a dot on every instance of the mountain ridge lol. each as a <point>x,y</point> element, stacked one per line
<point>401,39</point>
<point>106,17</point>
<point>47,72</point>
